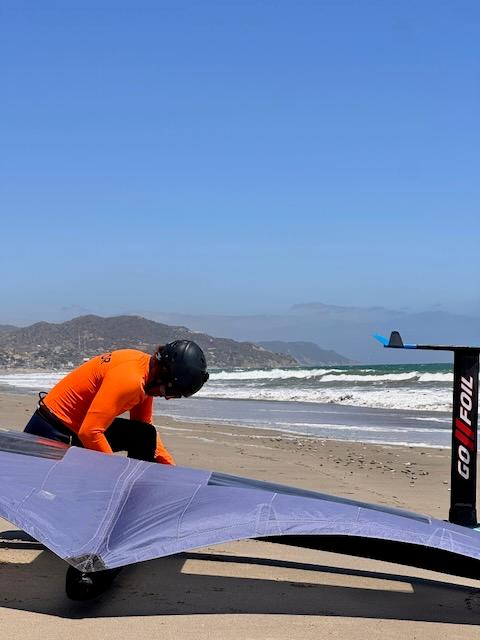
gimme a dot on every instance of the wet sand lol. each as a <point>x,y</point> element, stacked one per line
<point>255,589</point>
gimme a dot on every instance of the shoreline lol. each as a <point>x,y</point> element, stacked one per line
<point>332,421</point>
<point>295,435</point>
<point>284,428</point>
<point>344,423</point>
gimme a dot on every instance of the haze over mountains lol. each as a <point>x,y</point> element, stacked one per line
<point>345,330</point>
<point>308,354</point>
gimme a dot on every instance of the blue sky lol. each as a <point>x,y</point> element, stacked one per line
<point>238,157</point>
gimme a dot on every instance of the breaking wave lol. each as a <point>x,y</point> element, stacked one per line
<point>417,387</point>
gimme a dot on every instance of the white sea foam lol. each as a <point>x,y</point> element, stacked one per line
<point>270,374</point>
<point>344,427</point>
<point>328,375</point>
<point>436,377</point>
<point>428,400</point>
<point>431,395</point>
<point>390,377</point>
<point>401,443</point>
<point>43,380</point>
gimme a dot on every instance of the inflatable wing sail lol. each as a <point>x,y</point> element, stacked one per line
<point>100,511</point>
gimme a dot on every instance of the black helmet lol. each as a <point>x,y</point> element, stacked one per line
<point>186,366</point>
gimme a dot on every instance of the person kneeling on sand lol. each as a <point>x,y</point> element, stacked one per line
<point>83,409</point>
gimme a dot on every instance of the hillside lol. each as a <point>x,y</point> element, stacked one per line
<point>6,327</point>
<point>47,345</point>
<point>306,353</point>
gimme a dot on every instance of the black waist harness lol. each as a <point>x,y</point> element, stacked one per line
<point>45,413</point>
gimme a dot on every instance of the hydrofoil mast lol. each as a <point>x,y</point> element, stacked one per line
<point>463,496</point>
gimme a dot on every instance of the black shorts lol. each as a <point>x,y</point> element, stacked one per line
<point>138,439</point>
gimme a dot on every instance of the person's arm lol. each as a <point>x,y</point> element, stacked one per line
<point>117,393</point>
<point>144,412</point>
<point>162,455</point>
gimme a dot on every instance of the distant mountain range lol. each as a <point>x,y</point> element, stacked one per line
<point>47,345</point>
<point>306,353</point>
<point>347,330</point>
<point>342,329</point>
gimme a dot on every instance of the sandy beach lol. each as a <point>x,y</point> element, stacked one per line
<point>255,589</point>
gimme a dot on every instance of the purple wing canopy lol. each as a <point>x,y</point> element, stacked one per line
<point>99,511</point>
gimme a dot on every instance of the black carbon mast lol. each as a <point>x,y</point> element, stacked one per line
<point>463,496</point>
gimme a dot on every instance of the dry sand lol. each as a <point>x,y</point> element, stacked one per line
<point>254,589</point>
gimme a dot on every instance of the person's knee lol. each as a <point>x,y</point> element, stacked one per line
<point>143,443</point>
<point>138,439</point>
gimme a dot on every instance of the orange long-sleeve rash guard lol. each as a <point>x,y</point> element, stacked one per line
<point>89,398</point>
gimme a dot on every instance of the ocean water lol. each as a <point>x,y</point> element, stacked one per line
<point>396,404</point>
<point>416,387</point>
